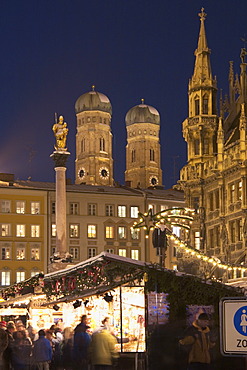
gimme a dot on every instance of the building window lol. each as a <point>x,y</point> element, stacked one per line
<point>217,236</point>
<point>5,278</point>
<point>20,253</point>
<point>217,199</point>
<point>239,190</point>
<point>35,254</point>
<point>134,254</point>
<point>92,209</point>
<point>110,251</point>
<point>91,252</point>
<point>53,230</point>
<point>34,273</point>
<point>5,253</point>
<point>5,230</point>
<point>122,232</point>
<point>20,231</point>
<point>133,155</point>
<point>35,208</point>
<point>239,230</point>
<point>109,232</point>
<point>134,212</point>
<point>122,252</point>
<point>205,146</point>
<point>83,145</point>
<point>211,238</point>
<point>232,192</point>
<point>74,230</point>
<point>91,231</point>
<point>53,208</point>
<point>5,206</point>
<point>197,239</point>
<point>74,251</point>
<point>20,276</point>
<point>109,210</point>
<point>73,208</point>
<point>197,106</point>
<point>102,144</point>
<point>232,231</point>
<point>211,201</point>
<point>151,154</point>
<point>20,207</point>
<point>152,208</point>
<point>121,211</point>
<point>134,234</point>
<point>204,106</point>
<point>196,147</point>
<point>35,231</point>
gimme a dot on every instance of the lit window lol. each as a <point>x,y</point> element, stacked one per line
<point>109,232</point>
<point>35,231</point>
<point>20,253</point>
<point>5,255</point>
<point>152,208</point>
<point>197,240</point>
<point>134,233</point>
<point>20,276</point>
<point>109,210</point>
<point>92,209</point>
<point>20,207</point>
<point>53,230</point>
<point>121,211</point>
<point>74,231</point>
<point>122,232</point>
<point>34,273</point>
<point>5,206</point>
<point>91,252</point>
<point>35,254</point>
<point>134,254</point>
<point>163,207</point>
<point>176,230</point>
<point>20,231</point>
<point>5,278</point>
<point>73,208</point>
<point>122,252</point>
<point>35,208</point>
<point>239,230</point>
<point>91,231</point>
<point>239,190</point>
<point>232,191</point>
<point>5,230</point>
<point>74,251</point>
<point>134,212</point>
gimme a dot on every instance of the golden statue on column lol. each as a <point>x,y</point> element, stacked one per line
<point>60,131</point>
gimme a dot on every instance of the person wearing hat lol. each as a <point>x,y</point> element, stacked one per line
<point>3,325</point>
<point>199,340</point>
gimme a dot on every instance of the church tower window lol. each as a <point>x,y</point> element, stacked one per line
<point>206,146</point>
<point>83,145</point>
<point>205,105</point>
<point>197,106</point>
<point>196,146</point>
<point>152,155</point>
<point>133,155</point>
<point>102,144</point>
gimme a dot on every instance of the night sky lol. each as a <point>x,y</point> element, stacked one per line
<point>53,51</point>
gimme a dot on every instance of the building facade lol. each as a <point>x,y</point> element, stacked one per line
<point>214,178</point>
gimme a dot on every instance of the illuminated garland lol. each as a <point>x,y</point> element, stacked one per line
<point>148,221</point>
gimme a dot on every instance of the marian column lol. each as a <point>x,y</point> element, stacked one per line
<point>60,156</point>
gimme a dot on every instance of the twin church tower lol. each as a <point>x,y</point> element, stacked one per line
<point>94,162</point>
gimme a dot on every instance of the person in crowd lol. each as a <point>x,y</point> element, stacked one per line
<point>21,350</point>
<point>3,342</point>
<point>7,354</point>
<point>200,341</point>
<point>57,338</point>
<point>42,351</point>
<point>67,348</point>
<point>103,350</point>
<point>82,341</point>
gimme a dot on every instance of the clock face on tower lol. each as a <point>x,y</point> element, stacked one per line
<point>153,180</point>
<point>81,173</point>
<point>104,173</point>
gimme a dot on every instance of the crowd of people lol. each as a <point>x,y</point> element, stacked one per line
<point>22,348</point>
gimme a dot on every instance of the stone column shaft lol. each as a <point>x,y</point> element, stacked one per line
<point>61,210</point>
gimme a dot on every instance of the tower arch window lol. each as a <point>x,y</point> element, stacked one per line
<point>83,145</point>
<point>102,144</point>
<point>152,155</point>
<point>197,106</point>
<point>205,105</point>
<point>206,146</point>
<point>196,146</point>
<point>133,155</point>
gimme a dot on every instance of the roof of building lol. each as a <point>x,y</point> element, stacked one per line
<point>93,100</point>
<point>142,113</point>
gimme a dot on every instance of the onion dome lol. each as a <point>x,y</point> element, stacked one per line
<point>93,100</point>
<point>142,113</point>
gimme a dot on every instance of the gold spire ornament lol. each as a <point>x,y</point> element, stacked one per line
<point>60,131</point>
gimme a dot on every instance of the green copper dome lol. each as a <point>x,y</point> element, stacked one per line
<point>142,113</point>
<point>93,100</point>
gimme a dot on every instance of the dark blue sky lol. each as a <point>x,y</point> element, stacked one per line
<point>52,51</point>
